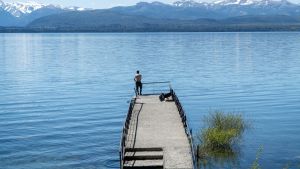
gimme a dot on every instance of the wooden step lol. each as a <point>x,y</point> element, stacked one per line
<point>145,167</point>
<point>144,155</point>
<point>143,149</point>
<point>143,164</point>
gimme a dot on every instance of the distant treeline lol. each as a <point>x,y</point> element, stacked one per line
<point>157,28</point>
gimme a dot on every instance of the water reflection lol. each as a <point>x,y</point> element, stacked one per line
<point>212,159</point>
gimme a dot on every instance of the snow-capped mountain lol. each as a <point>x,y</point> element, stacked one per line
<point>218,3</point>
<point>190,3</point>
<point>19,9</point>
<point>220,9</point>
<point>22,13</point>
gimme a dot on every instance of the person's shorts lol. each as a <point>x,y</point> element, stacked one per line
<point>139,84</point>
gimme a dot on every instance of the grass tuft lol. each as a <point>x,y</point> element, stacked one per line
<point>222,132</point>
<point>218,141</point>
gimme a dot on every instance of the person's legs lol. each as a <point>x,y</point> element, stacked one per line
<point>141,87</point>
<point>137,88</point>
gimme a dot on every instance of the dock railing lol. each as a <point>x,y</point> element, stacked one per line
<point>154,89</point>
<point>188,130</point>
<point>125,132</point>
<point>150,88</point>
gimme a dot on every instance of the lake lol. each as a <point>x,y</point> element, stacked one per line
<point>64,97</point>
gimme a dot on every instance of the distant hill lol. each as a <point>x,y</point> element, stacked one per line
<point>263,19</point>
<point>107,21</point>
<point>103,20</point>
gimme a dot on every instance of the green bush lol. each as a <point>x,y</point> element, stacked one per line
<point>217,139</point>
<point>222,131</point>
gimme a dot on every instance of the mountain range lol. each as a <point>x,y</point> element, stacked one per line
<point>189,9</point>
<point>20,14</point>
<point>184,15</point>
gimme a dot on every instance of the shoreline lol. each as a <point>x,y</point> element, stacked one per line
<point>158,28</point>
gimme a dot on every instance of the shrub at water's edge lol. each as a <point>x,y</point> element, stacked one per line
<point>220,138</point>
<point>221,134</point>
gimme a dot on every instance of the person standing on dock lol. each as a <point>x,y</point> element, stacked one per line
<point>138,83</point>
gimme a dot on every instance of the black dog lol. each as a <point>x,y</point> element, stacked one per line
<point>163,96</point>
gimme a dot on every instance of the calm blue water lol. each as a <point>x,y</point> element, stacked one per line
<point>63,97</point>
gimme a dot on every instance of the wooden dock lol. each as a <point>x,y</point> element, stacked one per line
<point>156,135</point>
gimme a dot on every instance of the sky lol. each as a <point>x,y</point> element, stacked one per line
<point>100,4</point>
